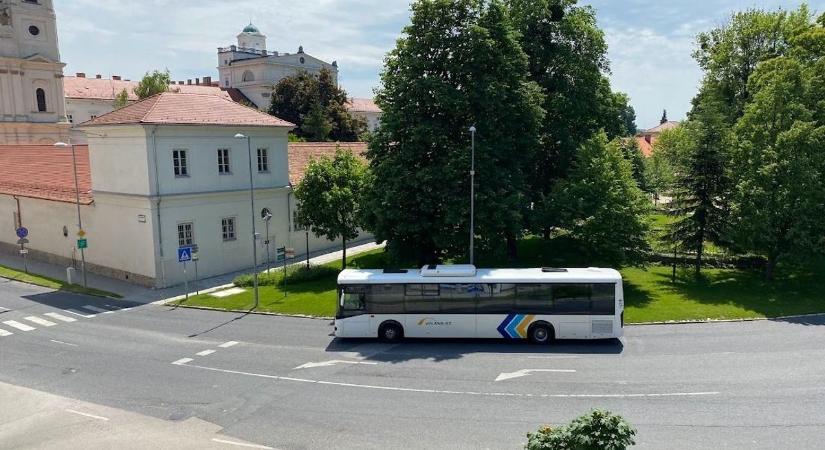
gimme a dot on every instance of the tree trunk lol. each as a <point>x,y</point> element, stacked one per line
<point>344,260</point>
<point>770,268</point>
<point>699,250</point>
<point>512,247</point>
<point>546,234</point>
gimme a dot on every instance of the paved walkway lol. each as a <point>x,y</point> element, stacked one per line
<point>142,294</point>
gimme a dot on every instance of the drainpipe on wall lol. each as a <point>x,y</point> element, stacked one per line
<point>289,229</point>
<point>157,194</point>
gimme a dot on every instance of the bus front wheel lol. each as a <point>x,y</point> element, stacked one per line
<point>390,332</point>
<point>540,334</point>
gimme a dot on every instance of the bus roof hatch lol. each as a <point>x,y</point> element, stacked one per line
<point>458,270</point>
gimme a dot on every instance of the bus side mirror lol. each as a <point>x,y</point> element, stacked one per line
<point>341,299</point>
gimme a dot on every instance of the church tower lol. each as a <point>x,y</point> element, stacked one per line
<point>32,104</point>
<point>252,38</point>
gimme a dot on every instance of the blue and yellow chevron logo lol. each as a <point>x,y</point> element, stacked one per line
<point>515,326</point>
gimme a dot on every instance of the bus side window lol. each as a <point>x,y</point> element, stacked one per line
<point>386,299</point>
<point>572,298</point>
<point>535,298</point>
<point>603,299</point>
<point>498,300</point>
<point>355,298</point>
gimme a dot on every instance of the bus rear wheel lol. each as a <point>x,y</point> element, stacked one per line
<point>390,332</point>
<point>540,334</point>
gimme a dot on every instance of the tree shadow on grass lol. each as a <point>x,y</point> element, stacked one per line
<point>796,293</point>
<point>452,349</point>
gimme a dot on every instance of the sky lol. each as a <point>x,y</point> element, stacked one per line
<point>650,42</point>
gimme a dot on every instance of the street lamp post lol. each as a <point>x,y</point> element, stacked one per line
<point>252,203</point>
<point>77,202</point>
<point>472,193</point>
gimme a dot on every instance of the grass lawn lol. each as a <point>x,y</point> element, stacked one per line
<point>14,274</point>
<point>650,295</point>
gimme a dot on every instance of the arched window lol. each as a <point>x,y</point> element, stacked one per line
<point>41,99</point>
<point>248,76</point>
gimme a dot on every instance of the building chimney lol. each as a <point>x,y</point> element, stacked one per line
<point>99,76</point>
<point>207,81</point>
<point>116,77</point>
<point>80,75</point>
<point>197,81</point>
<point>648,138</point>
<point>189,82</point>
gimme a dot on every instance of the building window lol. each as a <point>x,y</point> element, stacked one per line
<point>228,228</point>
<point>186,235</point>
<point>223,161</point>
<point>34,31</point>
<point>226,82</point>
<point>41,100</point>
<point>93,117</point>
<point>263,160</point>
<point>179,163</point>
<point>70,118</point>
<point>248,76</point>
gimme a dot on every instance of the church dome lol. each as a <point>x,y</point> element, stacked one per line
<point>251,29</point>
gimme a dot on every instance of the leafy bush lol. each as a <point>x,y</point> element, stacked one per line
<point>598,430</point>
<point>299,274</point>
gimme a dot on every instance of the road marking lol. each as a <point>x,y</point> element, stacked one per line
<point>241,444</point>
<point>39,321</point>
<point>18,325</point>
<point>312,365</point>
<point>78,313</point>
<point>437,391</point>
<point>228,344</point>
<point>524,372</point>
<point>205,353</point>
<point>63,343</point>
<point>96,309</point>
<point>4,333</point>
<point>61,317</point>
<point>182,361</point>
<point>88,415</point>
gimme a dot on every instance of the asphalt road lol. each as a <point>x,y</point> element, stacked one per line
<point>285,383</point>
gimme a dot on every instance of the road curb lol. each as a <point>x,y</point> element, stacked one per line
<point>698,321</point>
<point>241,311</point>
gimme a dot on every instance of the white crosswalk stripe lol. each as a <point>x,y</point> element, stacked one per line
<point>4,333</point>
<point>80,313</point>
<point>40,321</point>
<point>18,325</point>
<point>96,309</point>
<point>60,317</point>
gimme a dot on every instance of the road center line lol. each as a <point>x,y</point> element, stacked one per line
<point>228,344</point>
<point>63,343</point>
<point>241,444</point>
<point>437,391</point>
<point>182,361</point>
<point>88,415</point>
<point>205,352</point>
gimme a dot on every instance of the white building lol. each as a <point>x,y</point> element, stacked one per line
<point>31,87</point>
<point>251,68</point>
<point>159,174</point>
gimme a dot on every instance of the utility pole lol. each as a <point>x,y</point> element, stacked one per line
<point>252,204</point>
<point>472,193</point>
<point>80,231</point>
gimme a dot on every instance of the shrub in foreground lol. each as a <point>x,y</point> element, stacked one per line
<point>294,274</point>
<point>597,430</point>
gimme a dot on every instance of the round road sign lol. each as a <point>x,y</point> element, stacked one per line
<point>22,232</point>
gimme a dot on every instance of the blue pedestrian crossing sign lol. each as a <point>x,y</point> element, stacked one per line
<point>184,254</point>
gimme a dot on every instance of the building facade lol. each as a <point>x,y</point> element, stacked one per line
<point>32,106</point>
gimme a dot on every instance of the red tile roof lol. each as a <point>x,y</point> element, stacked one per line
<point>362,105</point>
<point>104,89</point>
<point>302,153</point>
<point>188,109</point>
<point>646,147</point>
<point>662,127</point>
<point>45,172</point>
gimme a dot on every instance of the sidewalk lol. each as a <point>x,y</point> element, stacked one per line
<point>140,294</point>
<point>42,420</point>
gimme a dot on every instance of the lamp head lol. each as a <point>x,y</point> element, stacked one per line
<point>61,144</point>
<point>240,136</point>
<point>473,129</point>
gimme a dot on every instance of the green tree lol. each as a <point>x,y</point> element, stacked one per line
<point>701,185</point>
<point>153,83</point>
<point>122,99</point>
<point>330,197</point>
<point>601,205</point>
<point>316,126</point>
<point>295,97</point>
<point>729,54</point>
<point>633,154</point>
<point>779,162</point>
<point>567,56</point>
<point>659,174</point>
<point>458,63</point>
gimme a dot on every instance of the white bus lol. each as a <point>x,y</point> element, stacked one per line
<point>464,302</point>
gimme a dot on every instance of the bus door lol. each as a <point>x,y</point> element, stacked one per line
<point>353,311</point>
